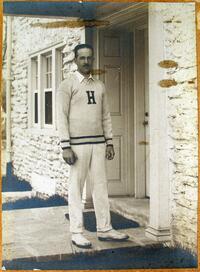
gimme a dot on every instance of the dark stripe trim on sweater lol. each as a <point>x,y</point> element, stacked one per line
<point>66,147</point>
<point>83,137</point>
<point>101,142</point>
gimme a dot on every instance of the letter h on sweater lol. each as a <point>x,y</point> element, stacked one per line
<point>91,97</point>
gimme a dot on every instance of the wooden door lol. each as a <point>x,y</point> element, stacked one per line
<point>114,62</point>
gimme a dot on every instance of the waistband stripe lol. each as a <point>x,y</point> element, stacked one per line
<point>90,139</point>
<point>85,137</point>
<point>102,142</point>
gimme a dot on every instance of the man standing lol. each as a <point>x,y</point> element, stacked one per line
<point>85,131</point>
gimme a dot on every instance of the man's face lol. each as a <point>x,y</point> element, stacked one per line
<point>84,60</point>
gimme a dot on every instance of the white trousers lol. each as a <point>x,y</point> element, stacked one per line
<point>91,161</point>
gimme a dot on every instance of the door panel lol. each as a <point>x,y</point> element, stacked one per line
<point>112,80</point>
<point>115,176</point>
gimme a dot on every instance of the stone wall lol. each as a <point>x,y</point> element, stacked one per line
<point>33,151</point>
<point>180,47</point>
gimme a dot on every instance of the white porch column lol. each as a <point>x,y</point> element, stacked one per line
<point>159,225</point>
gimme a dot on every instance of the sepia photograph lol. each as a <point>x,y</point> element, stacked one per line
<point>99,138</point>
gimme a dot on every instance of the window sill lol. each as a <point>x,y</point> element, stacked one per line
<point>43,131</point>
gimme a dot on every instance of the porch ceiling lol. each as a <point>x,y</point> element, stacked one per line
<point>84,10</point>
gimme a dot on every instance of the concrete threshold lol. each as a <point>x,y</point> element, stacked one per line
<point>131,208</point>
<point>42,234</point>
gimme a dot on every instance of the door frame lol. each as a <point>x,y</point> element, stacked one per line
<point>141,107</point>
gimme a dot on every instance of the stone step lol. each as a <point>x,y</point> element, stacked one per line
<point>131,208</point>
<point>42,234</point>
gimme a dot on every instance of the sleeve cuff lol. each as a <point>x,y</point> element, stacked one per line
<point>109,141</point>
<point>65,144</point>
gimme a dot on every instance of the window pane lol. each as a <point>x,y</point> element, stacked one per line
<point>47,80</point>
<point>48,72</point>
<point>36,108</point>
<point>34,75</point>
<point>36,79</point>
<point>48,108</point>
<point>47,68</point>
<point>50,80</point>
<point>62,66</point>
<point>49,64</point>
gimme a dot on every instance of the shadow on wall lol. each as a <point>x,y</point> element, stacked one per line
<point>11,183</point>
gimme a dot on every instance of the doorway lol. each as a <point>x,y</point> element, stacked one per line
<point>121,63</point>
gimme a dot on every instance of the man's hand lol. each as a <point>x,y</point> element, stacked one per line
<point>69,156</point>
<point>110,153</point>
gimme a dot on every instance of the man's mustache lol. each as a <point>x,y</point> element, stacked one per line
<point>85,65</point>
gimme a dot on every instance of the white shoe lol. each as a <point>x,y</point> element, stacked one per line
<point>112,235</point>
<point>80,241</point>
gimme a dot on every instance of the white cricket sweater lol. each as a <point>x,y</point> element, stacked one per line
<point>82,112</point>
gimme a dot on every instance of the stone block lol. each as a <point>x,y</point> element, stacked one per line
<point>43,184</point>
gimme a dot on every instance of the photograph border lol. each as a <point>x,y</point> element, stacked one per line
<point>197,4</point>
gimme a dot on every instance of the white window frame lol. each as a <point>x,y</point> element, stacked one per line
<point>44,90</point>
<point>56,52</point>
<point>33,107</point>
<point>34,89</point>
